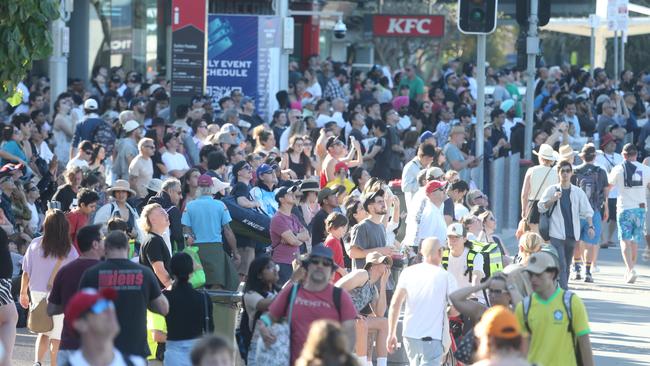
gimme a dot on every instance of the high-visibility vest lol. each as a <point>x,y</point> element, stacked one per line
<point>492,258</point>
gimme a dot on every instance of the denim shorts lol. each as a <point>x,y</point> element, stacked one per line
<point>584,229</point>
<point>630,224</point>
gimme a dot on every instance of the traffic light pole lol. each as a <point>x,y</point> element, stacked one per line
<point>532,49</point>
<point>480,104</point>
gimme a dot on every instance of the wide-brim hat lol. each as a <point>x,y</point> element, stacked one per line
<point>121,185</point>
<point>377,258</point>
<point>566,153</point>
<point>546,152</point>
<point>154,185</point>
<point>310,185</point>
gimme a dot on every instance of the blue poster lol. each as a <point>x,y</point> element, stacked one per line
<point>232,56</point>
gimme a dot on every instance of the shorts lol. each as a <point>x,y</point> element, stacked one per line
<point>647,218</point>
<point>247,255</point>
<point>55,333</point>
<point>611,206</point>
<point>598,227</point>
<point>630,224</point>
<point>5,292</point>
<point>218,268</point>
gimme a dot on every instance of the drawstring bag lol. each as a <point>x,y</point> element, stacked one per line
<point>197,278</point>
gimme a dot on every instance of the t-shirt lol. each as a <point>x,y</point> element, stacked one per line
<point>141,169</point>
<point>77,359</point>
<point>415,85</point>
<point>206,216</point>
<point>187,309</point>
<point>39,268</point>
<point>66,196</point>
<point>453,153</point>
<point>251,299</point>
<point>630,197</point>
<point>137,287</point>
<point>308,307</point>
<point>337,249</point>
<point>283,252</point>
<point>154,250</point>
<point>425,286</point>
<point>76,220</point>
<point>127,148</point>
<point>567,214</point>
<point>549,323</point>
<point>458,266</point>
<point>174,161</point>
<point>66,284</point>
<point>76,162</point>
<point>318,231</point>
<point>367,235</point>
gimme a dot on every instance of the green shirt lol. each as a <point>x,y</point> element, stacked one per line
<point>416,86</point>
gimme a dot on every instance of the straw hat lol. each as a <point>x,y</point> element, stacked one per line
<point>546,152</point>
<point>121,185</point>
<point>566,153</point>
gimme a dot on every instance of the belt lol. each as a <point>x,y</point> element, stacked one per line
<point>426,339</point>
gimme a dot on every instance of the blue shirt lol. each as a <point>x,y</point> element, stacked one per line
<point>14,149</point>
<point>85,130</point>
<point>206,216</point>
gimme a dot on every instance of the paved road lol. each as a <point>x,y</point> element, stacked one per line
<point>618,314</point>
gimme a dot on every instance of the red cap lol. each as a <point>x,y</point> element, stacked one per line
<point>204,181</point>
<point>433,185</point>
<point>83,300</point>
<point>340,165</point>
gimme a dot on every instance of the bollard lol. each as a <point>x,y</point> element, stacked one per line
<point>497,188</point>
<point>512,192</point>
<point>225,308</point>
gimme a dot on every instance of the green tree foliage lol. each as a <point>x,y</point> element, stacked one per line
<point>24,37</point>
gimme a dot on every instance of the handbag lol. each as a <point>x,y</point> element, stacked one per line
<point>529,207</point>
<point>545,223</point>
<point>39,321</point>
<point>197,277</point>
<point>278,353</point>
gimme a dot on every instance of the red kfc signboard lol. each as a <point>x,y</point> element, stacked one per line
<point>408,25</point>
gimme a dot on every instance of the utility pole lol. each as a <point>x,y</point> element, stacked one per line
<point>282,11</point>
<point>480,104</point>
<point>532,49</point>
<point>594,21</point>
<point>58,63</point>
<point>616,57</point>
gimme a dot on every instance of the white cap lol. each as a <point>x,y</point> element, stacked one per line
<point>218,185</point>
<point>91,104</point>
<point>455,229</point>
<point>131,125</point>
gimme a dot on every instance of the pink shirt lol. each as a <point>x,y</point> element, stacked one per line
<point>335,244</point>
<point>280,223</point>
<point>40,268</point>
<point>308,307</point>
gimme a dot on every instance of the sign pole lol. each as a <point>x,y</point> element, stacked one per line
<point>623,36</point>
<point>593,22</point>
<point>282,11</point>
<point>480,105</point>
<point>532,49</point>
<point>616,56</point>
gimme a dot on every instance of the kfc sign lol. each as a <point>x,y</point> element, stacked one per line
<point>408,25</point>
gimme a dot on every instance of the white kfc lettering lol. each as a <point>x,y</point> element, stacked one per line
<point>407,25</point>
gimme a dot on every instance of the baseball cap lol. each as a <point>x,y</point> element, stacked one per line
<point>218,185</point>
<point>131,125</point>
<point>434,173</point>
<point>499,322</point>
<point>245,100</point>
<point>506,105</point>
<point>434,185</point>
<point>425,136</point>
<point>321,251</point>
<point>377,258</point>
<point>223,138</point>
<point>326,192</point>
<point>474,194</point>
<point>84,300</point>
<point>284,190</point>
<point>331,141</point>
<point>455,229</point>
<point>230,128</point>
<point>263,169</point>
<point>91,104</point>
<point>239,166</point>
<point>606,140</point>
<point>310,185</point>
<point>539,262</point>
<point>340,165</point>
<point>204,181</point>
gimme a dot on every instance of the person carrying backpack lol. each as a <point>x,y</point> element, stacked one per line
<point>556,320</point>
<point>592,180</point>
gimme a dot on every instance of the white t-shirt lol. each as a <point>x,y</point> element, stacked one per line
<point>608,162</point>
<point>630,197</point>
<point>76,162</point>
<point>426,286</point>
<point>431,222</point>
<point>174,161</point>
<point>34,220</point>
<point>459,211</point>
<point>458,265</point>
<point>77,359</point>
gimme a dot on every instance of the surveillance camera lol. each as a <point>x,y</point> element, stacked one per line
<point>340,29</point>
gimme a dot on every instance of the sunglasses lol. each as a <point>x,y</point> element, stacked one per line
<point>101,306</point>
<point>496,291</point>
<point>149,147</point>
<point>568,171</point>
<point>89,152</point>
<point>32,189</point>
<point>322,262</point>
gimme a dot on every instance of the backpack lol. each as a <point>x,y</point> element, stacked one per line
<point>492,259</point>
<point>103,134</point>
<point>587,179</point>
<point>470,261</point>
<point>567,296</point>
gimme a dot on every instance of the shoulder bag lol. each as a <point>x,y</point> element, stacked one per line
<point>278,353</point>
<point>545,223</point>
<point>39,321</point>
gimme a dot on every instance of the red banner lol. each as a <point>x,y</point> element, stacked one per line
<point>408,25</point>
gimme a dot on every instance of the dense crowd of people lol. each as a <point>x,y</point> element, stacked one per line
<point>115,213</point>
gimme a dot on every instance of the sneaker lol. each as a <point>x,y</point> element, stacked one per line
<point>595,269</point>
<point>631,277</point>
<point>588,278</point>
<point>576,276</point>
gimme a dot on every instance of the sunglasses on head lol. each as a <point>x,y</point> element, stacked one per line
<point>101,306</point>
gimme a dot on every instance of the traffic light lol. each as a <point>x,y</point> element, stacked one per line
<point>523,12</point>
<point>477,16</point>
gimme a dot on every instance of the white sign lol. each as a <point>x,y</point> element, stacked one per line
<point>617,15</point>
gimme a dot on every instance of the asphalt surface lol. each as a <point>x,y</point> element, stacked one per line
<point>619,313</point>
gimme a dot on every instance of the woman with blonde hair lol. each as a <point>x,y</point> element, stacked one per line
<point>43,259</point>
<point>529,243</point>
<point>326,345</point>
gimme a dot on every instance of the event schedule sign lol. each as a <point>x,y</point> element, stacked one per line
<point>243,52</point>
<point>188,50</point>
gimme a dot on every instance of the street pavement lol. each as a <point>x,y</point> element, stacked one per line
<point>618,313</point>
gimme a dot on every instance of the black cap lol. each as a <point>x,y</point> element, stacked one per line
<point>169,136</point>
<point>284,190</point>
<point>331,141</point>
<point>369,197</point>
<point>237,167</point>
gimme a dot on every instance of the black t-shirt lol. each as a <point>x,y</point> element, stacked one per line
<point>137,287</point>
<point>65,285</point>
<point>154,249</point>
<point>186,317</point>
<point>318,232</point>
<point>65,195</point>
<point>448,208</point>
<point>242,190</point>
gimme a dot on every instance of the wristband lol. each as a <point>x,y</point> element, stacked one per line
<point>266,320</point>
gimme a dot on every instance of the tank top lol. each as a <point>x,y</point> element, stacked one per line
<point>537,182</point>
<point>299,168</point>
<point>363,296</point>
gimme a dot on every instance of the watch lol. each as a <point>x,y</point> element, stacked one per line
<point>591,226</point>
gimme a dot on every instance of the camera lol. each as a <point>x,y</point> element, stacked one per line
<point>340,29</point>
